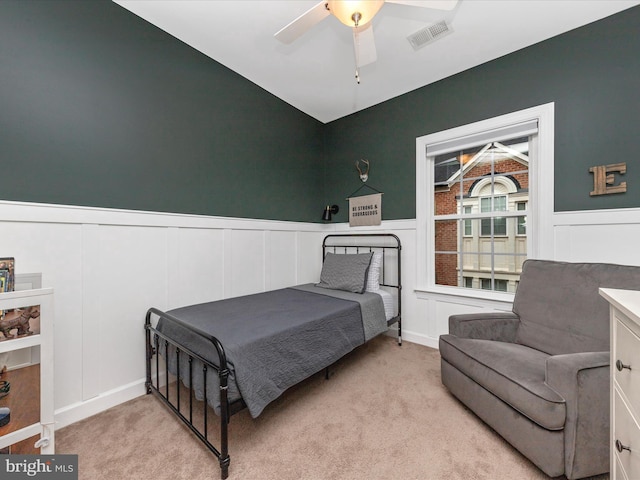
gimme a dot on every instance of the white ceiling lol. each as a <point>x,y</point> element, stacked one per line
<point>316,73</point>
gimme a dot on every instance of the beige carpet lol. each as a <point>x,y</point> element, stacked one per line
<point>383,414</point>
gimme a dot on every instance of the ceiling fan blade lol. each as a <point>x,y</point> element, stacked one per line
<point>436,4</point>
<point>303,23</point>
<point>364,45</point>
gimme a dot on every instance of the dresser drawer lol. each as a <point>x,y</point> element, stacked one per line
<point>627,432</point>
<point>627,351</point>
<point>617,473</point>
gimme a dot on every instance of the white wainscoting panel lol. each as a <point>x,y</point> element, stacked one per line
<point>91,310</point>
<point>195,266</point>
<point>609,236</point>
<point>246,272</point>
<point>280,271</point>
<point>56,251</point>
<point>133,277</point>
<point>107,267</point>
<point>309,260</point>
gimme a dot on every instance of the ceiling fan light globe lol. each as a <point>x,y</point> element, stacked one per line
<point>345,11</point>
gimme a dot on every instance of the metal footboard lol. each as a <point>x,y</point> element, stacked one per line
<point>155,340</point>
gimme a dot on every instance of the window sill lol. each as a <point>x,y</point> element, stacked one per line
<point>470,296</point>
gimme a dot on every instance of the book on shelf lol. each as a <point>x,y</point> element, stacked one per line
<point>7,274</point>
<point>4,281</point>
<point>7,277</point>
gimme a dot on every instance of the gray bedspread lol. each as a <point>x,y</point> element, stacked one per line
<point>274,340</point>
<point>374,321</point>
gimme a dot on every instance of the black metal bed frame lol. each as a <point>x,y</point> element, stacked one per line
<point>155,340</point>
<point>326,245</point>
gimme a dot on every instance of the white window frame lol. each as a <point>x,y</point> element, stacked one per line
<point>540,204</point>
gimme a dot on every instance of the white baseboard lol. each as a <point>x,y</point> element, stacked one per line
<point>414,338</point>
<point>81,410</point>
<point>420,339</point>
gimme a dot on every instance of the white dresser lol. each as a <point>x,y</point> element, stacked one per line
<point>625,382</point>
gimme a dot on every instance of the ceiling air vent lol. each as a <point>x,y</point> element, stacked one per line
<point>429,34</point>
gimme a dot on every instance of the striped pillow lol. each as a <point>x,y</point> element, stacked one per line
<point>373,279</point>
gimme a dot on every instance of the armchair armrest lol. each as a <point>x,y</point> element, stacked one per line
<point>498,326</point>
<point>582,379</point>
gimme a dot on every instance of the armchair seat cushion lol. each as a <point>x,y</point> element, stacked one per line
<point>512,372</point>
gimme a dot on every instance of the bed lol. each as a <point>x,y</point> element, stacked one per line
<point>244,352</point>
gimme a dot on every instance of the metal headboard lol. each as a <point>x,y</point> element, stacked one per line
<point>391,248</point>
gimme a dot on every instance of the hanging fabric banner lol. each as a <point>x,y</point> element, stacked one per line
<point>365,210</point>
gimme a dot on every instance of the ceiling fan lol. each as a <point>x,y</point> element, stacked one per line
<point>356,14</point>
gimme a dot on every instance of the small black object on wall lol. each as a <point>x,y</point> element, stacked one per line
<point>328,211</point>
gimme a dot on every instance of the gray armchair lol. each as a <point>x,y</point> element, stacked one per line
<point>539,375</point>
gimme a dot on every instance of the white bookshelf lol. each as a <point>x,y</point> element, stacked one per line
<point>26,295</point>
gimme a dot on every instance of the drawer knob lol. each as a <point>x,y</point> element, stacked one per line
<point>620,447</point>
<point>621,366</point>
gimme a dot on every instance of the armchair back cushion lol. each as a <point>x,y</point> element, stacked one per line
<point>559,306</point>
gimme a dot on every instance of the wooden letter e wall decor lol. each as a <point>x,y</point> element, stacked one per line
<point>604,178</point>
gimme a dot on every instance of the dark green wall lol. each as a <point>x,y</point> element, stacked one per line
<point>591,73</point>
<point>100,108</point>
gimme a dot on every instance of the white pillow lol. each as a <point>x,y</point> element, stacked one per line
<point>373,279</point>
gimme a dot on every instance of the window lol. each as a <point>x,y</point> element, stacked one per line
<point>480,210</point>
<point>522,220</point>
<point>468,224</point>
<point>489,177</point>
<point>493,225</point>
<point>498,285</point>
